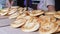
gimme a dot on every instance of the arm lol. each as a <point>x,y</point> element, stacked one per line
<point>12,2</point>
<point>8,3</point>
<point>50,5</point>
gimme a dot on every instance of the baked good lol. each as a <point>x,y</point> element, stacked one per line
<point>36,12</point>
<point>31,25</point>
<point>58,30</point>
<point>50,13</point>
<point>12,11</point>
<point>18,23</point>
<point>46,18</point>
<point>23,15</point>
<point>58,21</point>
<point>14,15</point>
<point>3,12</point>
<point>14,7</point>
<point>48,28</point>
<point>57,15</point>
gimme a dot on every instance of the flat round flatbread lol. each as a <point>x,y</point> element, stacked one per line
<point>46,18</point>
<point>14,15</point>
<point>57,15</point>
<point>4,12</point>
<point>31,25</point>
<point>58,21</point>
<point>12,11</point>
<point>48,28</point>
<point>18,23</point>
<point>50,13</point>
<point>47,13</point>
<point>24,15</point>
<point>58,30</point>
<point>14,7</point>
<point>36,12</point>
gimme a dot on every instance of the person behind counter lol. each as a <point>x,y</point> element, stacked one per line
<point>46,5</point>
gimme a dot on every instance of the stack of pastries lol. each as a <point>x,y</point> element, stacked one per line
<point>36,20</point>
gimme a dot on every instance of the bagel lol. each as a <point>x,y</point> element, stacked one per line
<point>31,25</point>
<point>18,23</point>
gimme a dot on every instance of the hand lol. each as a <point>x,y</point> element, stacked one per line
<point>51,8</point>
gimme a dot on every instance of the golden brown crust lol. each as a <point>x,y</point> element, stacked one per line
<point>14,15</point>
<point>57,15</point>
<point>48,28</point>
<point>12,11</point>
<point>18,23</point>
<point>4,12</point>
<point>36,12</point>
<point>58,30</point>
<point>31,25</point>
